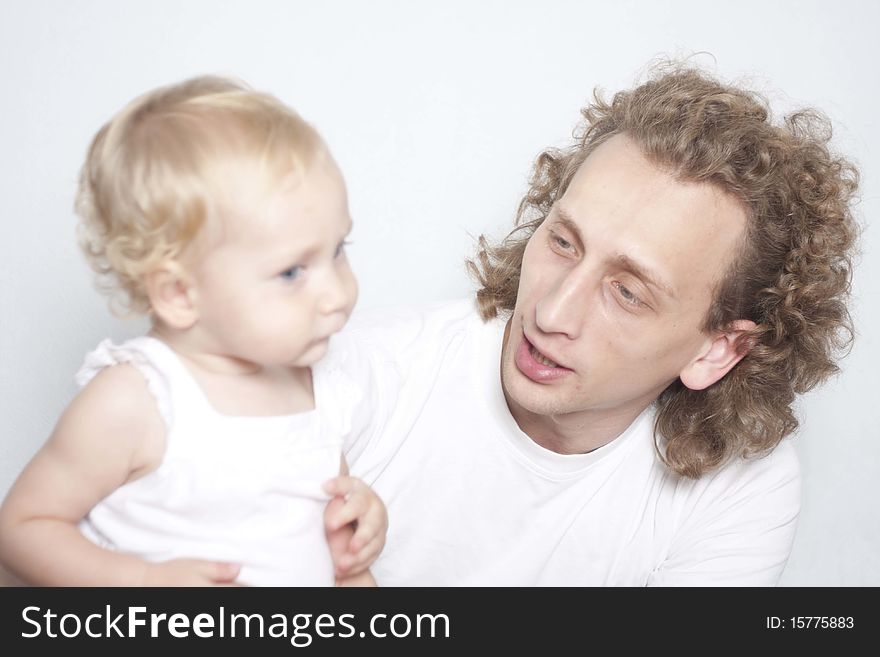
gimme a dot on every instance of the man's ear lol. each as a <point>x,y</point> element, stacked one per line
<point>720,354</point>
<point>172,295</point>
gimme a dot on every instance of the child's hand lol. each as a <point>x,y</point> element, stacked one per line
<point>356,523</point>
<point>191,572</point>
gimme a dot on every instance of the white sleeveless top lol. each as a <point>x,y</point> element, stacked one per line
<point>243,489</point>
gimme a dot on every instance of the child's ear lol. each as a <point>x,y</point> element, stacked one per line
<point>721,352</point>
<point>172,295</point>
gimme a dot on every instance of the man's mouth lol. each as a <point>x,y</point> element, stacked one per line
<point>533,364</point>
<point>541,358</point>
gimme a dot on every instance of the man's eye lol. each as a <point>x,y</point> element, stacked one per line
<point>626,295</point>
<point>291,273</point>
<point>561,244</point>
<point>564,243</point>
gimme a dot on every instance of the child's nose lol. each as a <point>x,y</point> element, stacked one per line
<point>335,297</point>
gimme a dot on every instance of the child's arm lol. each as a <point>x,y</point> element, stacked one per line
<point>356,523</point>
<point>110,434</point>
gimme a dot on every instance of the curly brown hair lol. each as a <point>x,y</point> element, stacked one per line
<point>791,276</point>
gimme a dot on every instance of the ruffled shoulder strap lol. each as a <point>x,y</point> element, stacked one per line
<point>139,353</point>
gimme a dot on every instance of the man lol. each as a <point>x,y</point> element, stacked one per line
<point>612,410</point>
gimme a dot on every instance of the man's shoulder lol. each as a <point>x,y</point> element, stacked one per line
<point>400,326</point>
<point>462,308</point>
<point>773,477</point>
<point>778,465</point>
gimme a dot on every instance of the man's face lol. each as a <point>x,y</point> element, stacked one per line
<point>615,285</point>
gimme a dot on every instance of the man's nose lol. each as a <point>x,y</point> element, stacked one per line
<point>562,308</point>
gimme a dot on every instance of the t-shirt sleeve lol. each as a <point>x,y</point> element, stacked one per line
<point>737,526</point>
<point>377,351</point>
<point>367,370</point>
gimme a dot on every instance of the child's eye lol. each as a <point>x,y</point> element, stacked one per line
<point>291,273</point>
<point>341,248</point>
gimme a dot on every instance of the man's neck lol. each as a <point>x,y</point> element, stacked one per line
<point>573,433</point>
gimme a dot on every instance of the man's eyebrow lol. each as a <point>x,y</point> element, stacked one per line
<point>642,272</point>
<point>622,260</point>
<point>564,218</point>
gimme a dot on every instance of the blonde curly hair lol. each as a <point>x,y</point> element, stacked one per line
<point>155,170</point>
<point>791,276</point>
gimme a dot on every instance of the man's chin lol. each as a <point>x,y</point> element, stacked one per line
<point>524,395</point>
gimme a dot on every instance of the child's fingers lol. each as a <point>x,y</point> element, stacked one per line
<point>346,562</point>
<point>343,485</point>
<point>344,515</point>
<point>370,526</point>
<point>373,522</point>
<point>352,564</point>
<point>334,507</point>
<point>367,554</point>
<point>220,572</point>
<point>353,509</point>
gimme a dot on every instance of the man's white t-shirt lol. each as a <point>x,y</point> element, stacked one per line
<point>473,501</point>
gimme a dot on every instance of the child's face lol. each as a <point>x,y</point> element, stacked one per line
<point>278,283</point>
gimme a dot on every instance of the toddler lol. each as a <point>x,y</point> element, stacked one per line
<point>206,451</point>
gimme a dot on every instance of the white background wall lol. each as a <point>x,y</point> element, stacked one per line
<point>435,112</point>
